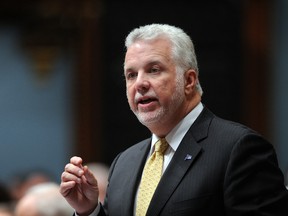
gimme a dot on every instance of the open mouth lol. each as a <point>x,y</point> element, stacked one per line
<point>146,101</point>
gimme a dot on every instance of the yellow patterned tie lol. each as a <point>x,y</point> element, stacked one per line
<point>150,178</point>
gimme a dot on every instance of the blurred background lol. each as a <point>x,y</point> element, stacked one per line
<point>62,92</point>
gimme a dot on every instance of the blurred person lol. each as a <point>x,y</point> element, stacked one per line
<point>5,196</point>
<point>101,172</point>
<point>21,182</point>
<point>6,210</point>
<point>5,201</point>
<point>205,165</point>
<point>43,200</point>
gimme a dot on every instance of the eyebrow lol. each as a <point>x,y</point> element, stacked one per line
<point>153,62</point>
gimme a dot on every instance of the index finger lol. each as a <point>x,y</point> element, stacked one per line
<point>76,161</point>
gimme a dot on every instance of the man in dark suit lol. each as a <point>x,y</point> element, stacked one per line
<point>211,167</point>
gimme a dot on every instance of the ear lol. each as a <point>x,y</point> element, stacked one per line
<point>190,81</point>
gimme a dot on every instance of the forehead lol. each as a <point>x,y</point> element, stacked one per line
<point>142,51</point>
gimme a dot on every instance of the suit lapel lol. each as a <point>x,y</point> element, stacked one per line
<point>186,154</point>
<point>137,161</point>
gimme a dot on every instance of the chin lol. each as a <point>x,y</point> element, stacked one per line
<point>148,119</point>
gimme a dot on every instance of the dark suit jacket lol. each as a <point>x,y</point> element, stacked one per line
<point>233,171</point>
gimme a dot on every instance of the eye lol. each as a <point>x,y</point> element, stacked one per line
<point>131,75</point>
<point>154,70</point>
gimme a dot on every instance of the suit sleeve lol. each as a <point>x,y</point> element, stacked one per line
<point>254,183</point>
<point>104,208</point>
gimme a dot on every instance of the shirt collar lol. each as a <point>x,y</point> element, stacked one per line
<point>178,132</point>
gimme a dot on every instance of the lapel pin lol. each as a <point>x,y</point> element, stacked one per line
<point>188,157</point>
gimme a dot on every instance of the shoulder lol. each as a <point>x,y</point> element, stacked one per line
<point>140,146</point>
<point>225,136</point>
<point>135,151</point>
<point>223,127</point>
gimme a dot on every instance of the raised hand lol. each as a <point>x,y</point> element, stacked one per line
<point>79,187</point>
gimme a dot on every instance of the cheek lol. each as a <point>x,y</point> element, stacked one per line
<point>130,96</point>
<point>165,88</point>
<point>166,91</point>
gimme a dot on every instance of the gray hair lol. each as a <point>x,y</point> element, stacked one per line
<point>183,51</point>
<point>49,201</point>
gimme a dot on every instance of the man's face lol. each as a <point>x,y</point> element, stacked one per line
<point>154,91</point>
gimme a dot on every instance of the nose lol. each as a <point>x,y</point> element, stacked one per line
<point>142,83</point>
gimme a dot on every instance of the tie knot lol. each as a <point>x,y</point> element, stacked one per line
<point>161,145</point>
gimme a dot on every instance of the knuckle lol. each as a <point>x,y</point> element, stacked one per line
<point>66,167</point>
<point>63,176</point>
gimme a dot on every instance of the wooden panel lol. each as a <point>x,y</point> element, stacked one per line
<point>257,15</point>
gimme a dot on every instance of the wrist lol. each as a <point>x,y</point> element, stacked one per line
<point>89,212</point>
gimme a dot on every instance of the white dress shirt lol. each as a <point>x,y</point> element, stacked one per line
<point>174,139</point>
